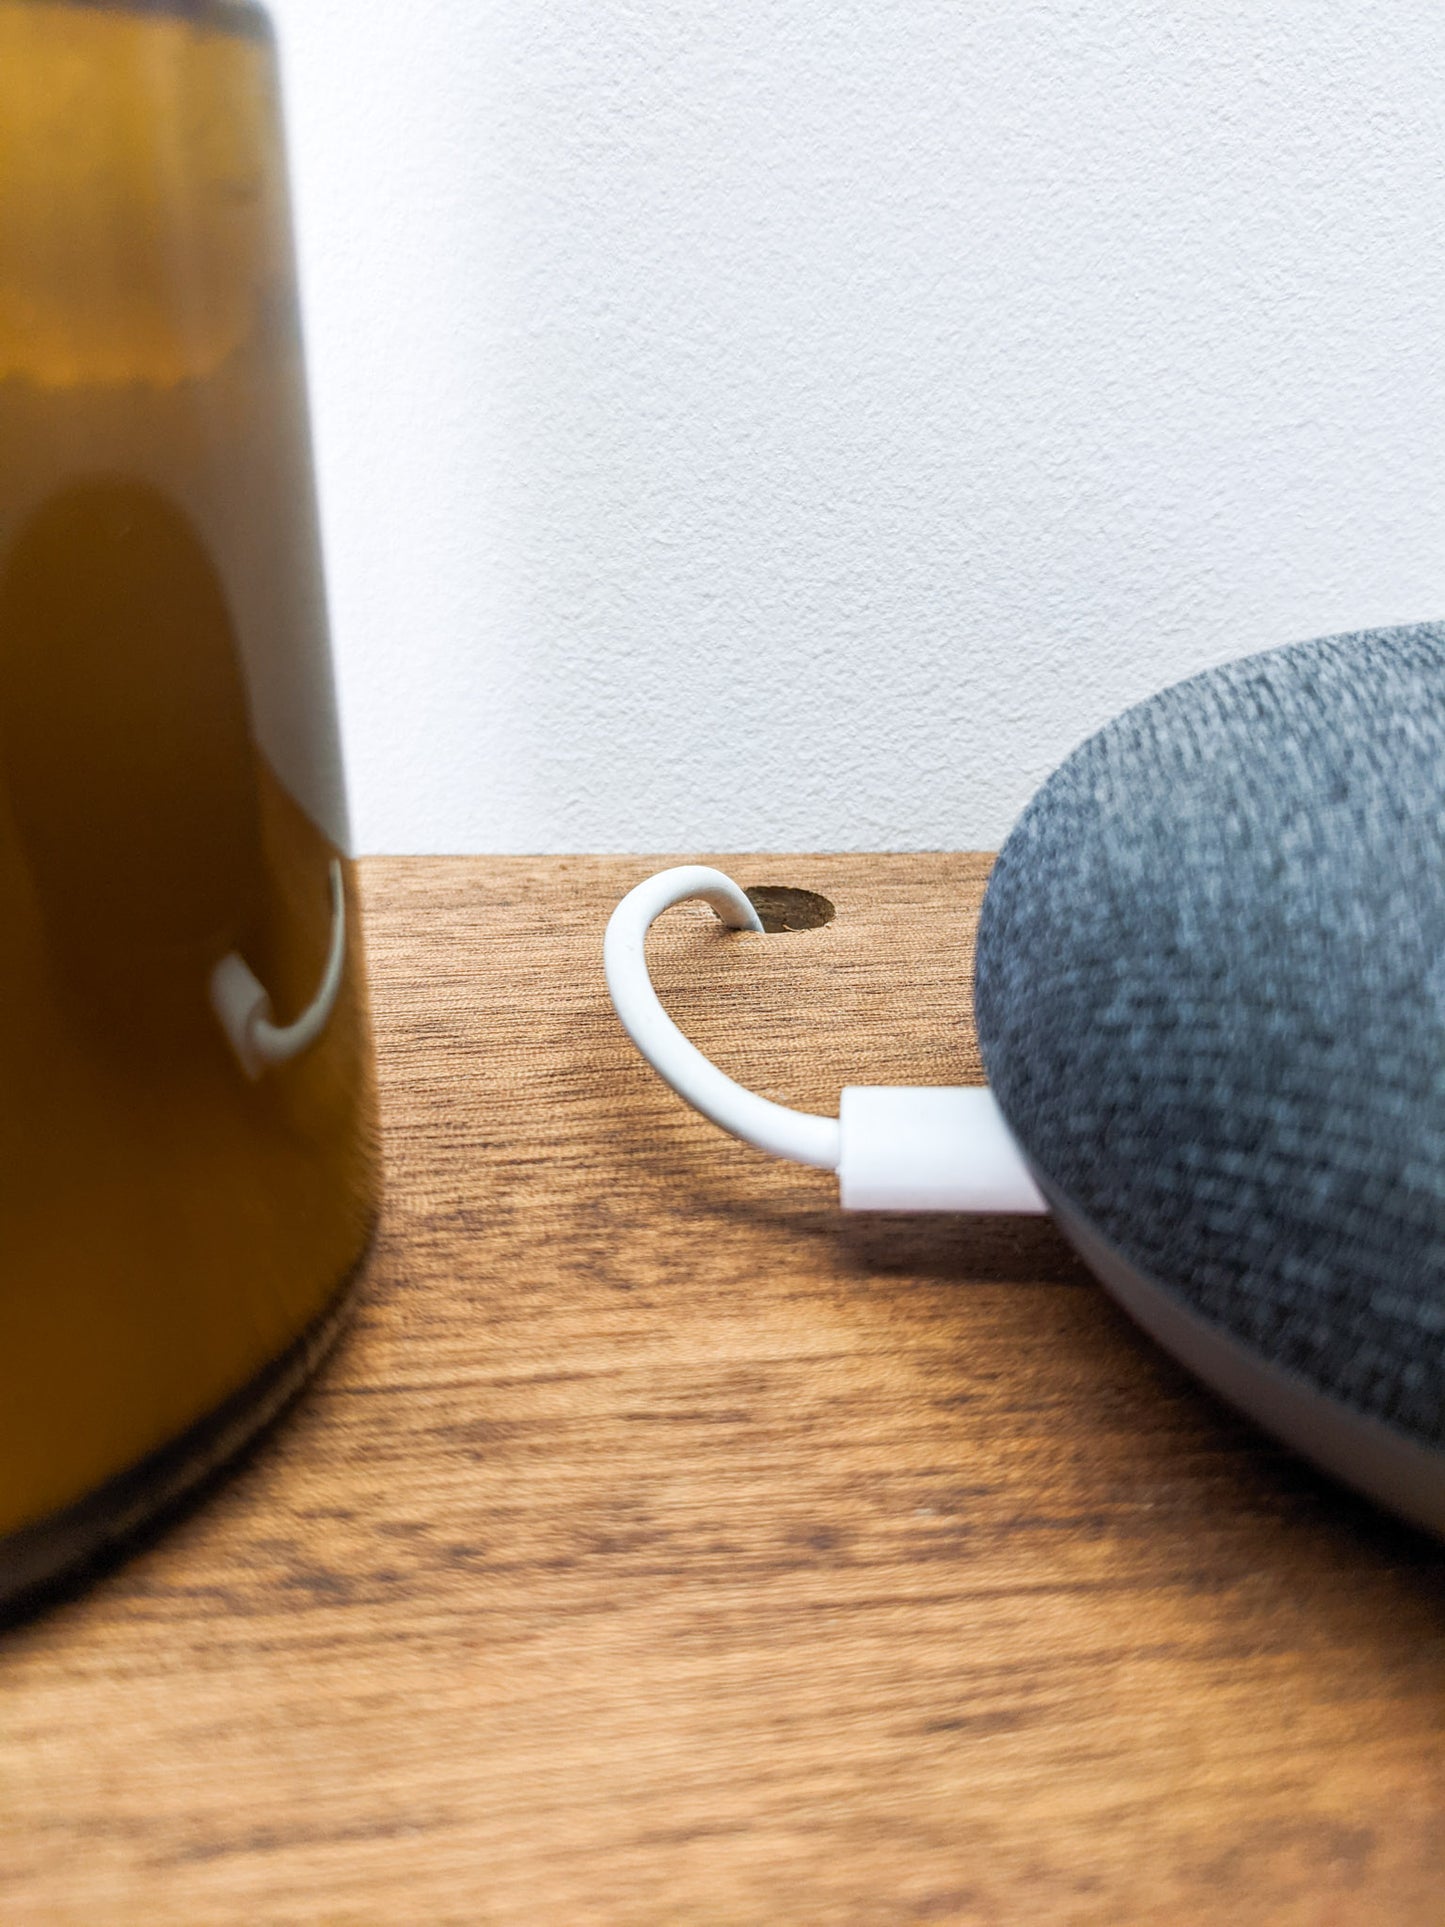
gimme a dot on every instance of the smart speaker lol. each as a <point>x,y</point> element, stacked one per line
<point>1210,996</point>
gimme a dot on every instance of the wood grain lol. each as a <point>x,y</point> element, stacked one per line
<point>662,1547</point>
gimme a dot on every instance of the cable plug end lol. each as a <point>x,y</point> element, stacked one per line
<point>930,1148</point>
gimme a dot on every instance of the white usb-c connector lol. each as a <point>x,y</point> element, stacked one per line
<point>894,1147</point>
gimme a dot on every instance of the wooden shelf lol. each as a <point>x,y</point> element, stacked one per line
<point>662,1547</point>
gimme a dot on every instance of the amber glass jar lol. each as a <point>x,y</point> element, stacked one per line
<point>187,1168</point>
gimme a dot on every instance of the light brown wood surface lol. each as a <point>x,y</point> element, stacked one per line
<point>661,1546</point>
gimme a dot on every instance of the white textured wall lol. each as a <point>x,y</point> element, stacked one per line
<point>795,425</point>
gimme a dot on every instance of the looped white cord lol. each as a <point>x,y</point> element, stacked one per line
<point>798,1135</point>
<point>894,1147</point>
<point>241,1002</point>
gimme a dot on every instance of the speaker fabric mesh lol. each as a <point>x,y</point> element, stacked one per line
<point>1211,1002</point>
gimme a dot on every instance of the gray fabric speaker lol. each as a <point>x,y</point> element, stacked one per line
<point>1211,1002</point>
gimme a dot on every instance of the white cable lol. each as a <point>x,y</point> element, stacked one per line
<point>895,1147</point>
<point>243,1006</point>
<point>771,1127</point>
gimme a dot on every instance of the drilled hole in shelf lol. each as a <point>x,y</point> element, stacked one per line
<point>780,908</point>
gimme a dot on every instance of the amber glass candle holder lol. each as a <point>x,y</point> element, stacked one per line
<point>187,1164</point>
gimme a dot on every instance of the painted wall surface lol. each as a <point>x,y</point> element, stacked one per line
<point>795,425</point>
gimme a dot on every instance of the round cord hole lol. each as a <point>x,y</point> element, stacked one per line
<point>780,908</point>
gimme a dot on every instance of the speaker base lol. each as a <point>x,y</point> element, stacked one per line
<point>1387,1465</point>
